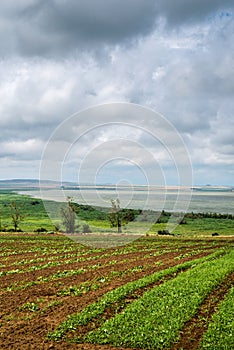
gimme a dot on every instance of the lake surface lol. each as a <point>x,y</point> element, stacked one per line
<point>141,197</point>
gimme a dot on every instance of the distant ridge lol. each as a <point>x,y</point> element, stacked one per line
<point>19,180</point>
<point>209,188</point>
<point>26,183</point>
<point>34,184</point>
<point>66,185</point>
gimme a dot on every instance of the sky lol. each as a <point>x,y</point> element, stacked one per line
<point>175,58</point>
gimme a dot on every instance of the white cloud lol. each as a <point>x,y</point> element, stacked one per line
<point>29,149</point>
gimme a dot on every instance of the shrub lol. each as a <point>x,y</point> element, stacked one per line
<point>40,229</point>
<point>215,234</point>
<point>86,228</point>
<point>163,232</point>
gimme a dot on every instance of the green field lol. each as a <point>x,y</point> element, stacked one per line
<point>36,218</point>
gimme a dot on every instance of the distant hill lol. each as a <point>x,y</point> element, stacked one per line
<point>209,188</point>
<point>36,183</point>
<point>26,183</point>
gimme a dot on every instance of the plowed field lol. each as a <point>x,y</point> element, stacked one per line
<point>45,279</point>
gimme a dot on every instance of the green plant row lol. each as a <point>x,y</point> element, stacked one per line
<point>220,333</point>
<point>87,286</point>
<point>61,274</point>
<point>56,261</point>
<point>47,245</point>
<point>41,244</point>
<point>154,320</point>
<point>39,250</point>
<point>50,258</point>
<point>96,309</point>
<point>78,257</point>
<point>49,264</point>
<point>80,289</point>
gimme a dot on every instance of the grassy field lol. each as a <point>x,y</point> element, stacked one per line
<point>154,293</point>
<point>36,218</point>
<point>32,209</point>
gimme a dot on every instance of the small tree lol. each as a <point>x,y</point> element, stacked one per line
<point>68,216</point>
<point>115,216</point>
<point>16,214</point>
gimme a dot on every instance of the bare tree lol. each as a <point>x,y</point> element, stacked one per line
<point>68,216</point>
<point>115,216</point>
<point>16,214</point>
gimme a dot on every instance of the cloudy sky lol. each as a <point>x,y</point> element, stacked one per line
<point>174,57</point>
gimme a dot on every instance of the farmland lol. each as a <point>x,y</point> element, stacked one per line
<point>154,293</point>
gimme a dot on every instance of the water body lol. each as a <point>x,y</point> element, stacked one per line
<point>154,198</point>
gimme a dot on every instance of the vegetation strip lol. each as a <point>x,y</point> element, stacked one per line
<point>194,329</point>
<point>65,273</point>
<point>98,308</point>
<point>66,262</point>
<point>154,321</point>
<point>80,289</point>
<point>220,333</point>
<point>87,286</point>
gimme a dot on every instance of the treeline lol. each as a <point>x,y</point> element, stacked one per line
<point>210,215</point>
<point>191,215</point>
<point>89,213</point>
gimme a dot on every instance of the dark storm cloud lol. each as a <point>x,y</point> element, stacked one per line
<point>178,12</point>
<point>58,26</point>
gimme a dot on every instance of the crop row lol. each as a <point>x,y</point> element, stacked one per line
<point>71,258</point>
<point>84,287</point>
<point>60,244</point>
<point>154,320</point>
<point>70,261</point>
<point>39,250</point>
<point>79,257</point>
<point>65,273</point>
<point>49,264</point>
<point>220,333</point>
<point>96,309</point>
<point>87,286</point>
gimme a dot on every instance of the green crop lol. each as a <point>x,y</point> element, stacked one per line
<point>154,320</point>
<point>220,333</point>
<point>30,307</point>
<point>97,308</point>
